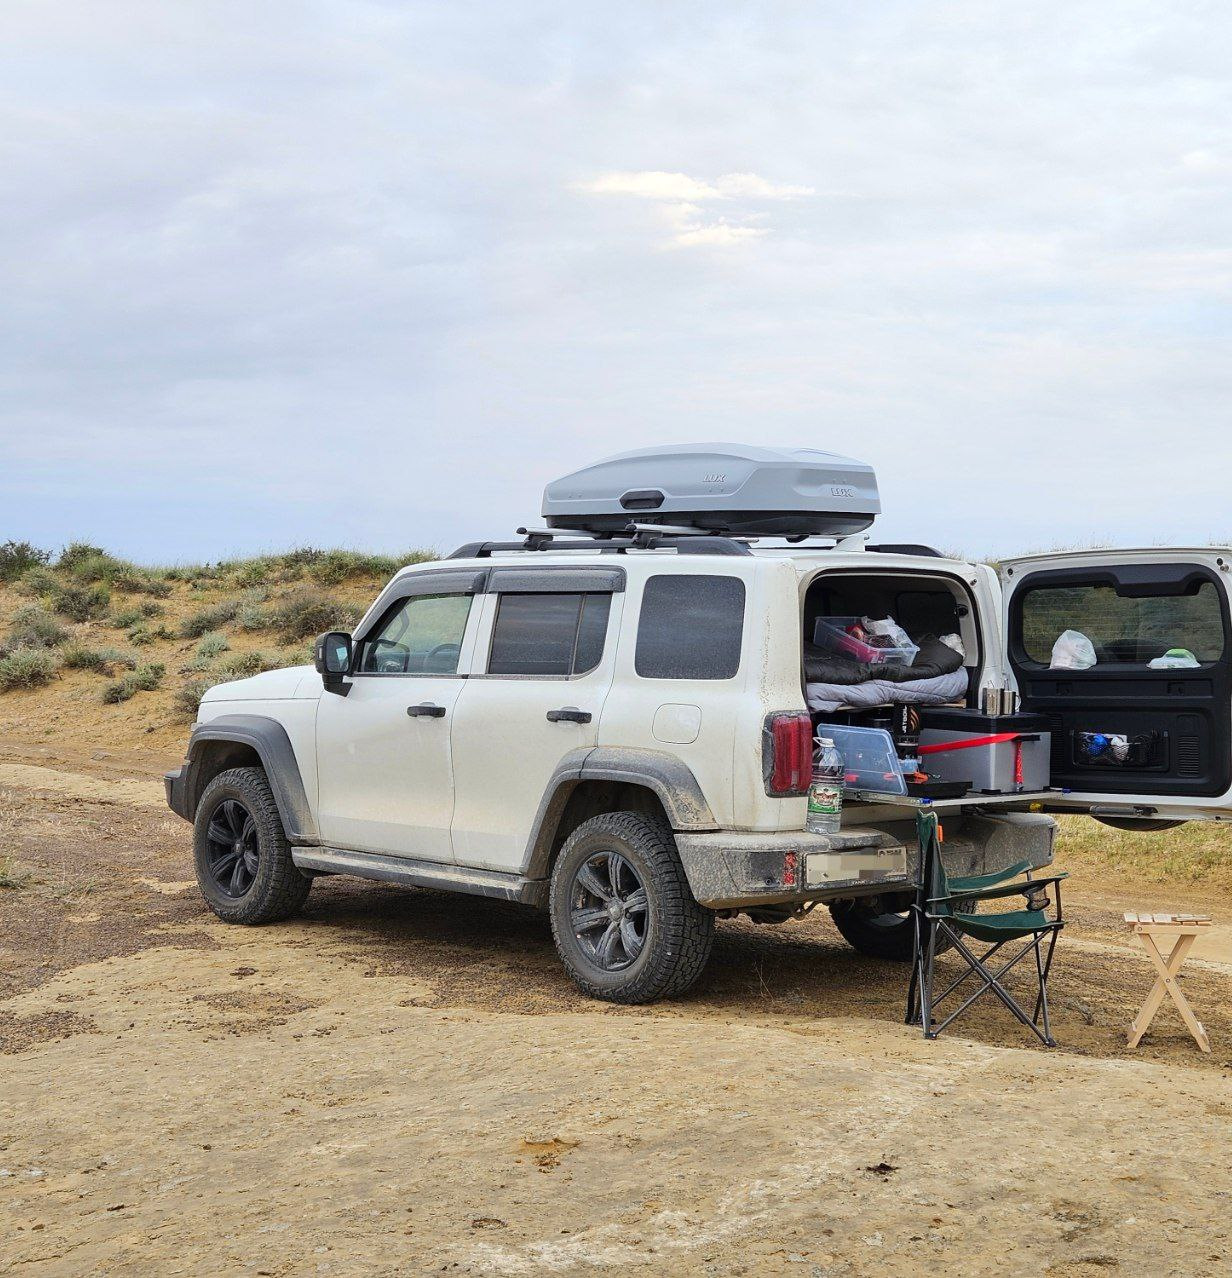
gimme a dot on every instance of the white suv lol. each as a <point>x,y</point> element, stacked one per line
<point>616,728</point>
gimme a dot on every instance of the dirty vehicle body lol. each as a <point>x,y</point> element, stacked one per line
<point>613,725</point>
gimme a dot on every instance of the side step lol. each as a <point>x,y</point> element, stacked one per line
<point>430,874</point>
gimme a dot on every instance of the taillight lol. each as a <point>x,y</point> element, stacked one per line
<point>787,753</point>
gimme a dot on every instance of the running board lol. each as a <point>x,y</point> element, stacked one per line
<point>430,874</point>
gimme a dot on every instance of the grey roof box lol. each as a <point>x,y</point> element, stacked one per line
<point>726,488</point>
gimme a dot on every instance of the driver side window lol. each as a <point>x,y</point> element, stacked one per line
<point>420,635</point>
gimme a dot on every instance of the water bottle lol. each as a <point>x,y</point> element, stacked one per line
<point>825,798</point>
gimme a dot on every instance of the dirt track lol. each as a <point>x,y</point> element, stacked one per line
<point>405,1082</point>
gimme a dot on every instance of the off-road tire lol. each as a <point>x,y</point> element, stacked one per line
<point>679,933</point>
<point>278,889</point>
<point>885,940</point>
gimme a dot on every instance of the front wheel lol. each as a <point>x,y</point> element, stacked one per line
<point>242,856</point>
<point>625,923</point>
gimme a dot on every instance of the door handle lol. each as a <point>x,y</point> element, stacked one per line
<point>569,715</point>
<point>426,711</point>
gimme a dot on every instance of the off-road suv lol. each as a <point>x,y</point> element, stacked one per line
<point>614,726</point>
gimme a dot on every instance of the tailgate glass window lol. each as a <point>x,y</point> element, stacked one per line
<point>1125,628</point>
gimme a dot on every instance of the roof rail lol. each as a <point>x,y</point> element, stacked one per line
<point>905,548</point>
<point>637,537</point>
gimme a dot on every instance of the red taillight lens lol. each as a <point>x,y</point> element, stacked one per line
<point>788,753</point>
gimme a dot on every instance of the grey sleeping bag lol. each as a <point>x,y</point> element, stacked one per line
<point>825,698</point>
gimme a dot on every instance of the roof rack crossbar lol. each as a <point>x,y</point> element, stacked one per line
<point>637,537</point>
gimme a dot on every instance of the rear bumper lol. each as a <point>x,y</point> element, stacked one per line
<point>177,793</point>
<point>731,870</point>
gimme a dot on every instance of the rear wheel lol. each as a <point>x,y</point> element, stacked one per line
<point>625,923</point>
<point>881,926</point>
<point>242,856</point>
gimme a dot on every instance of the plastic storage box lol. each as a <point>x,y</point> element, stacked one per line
<point>831,633</point>
<point>998,754</point>
<point>870,761</point>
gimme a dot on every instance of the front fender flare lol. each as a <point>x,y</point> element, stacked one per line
<point>269,739</point>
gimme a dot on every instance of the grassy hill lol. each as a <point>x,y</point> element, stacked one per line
<point>101,649</point>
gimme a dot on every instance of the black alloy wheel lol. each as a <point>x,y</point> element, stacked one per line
<point>232,850</point>
<point>608,910</point>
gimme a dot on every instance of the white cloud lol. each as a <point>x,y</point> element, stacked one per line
<point>679,197</point>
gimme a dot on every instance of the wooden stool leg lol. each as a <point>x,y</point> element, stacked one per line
<point>1165,983</point>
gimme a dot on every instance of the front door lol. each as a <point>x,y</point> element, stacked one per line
<point>1129,655</point>
<point>542,670</point>
<point>383,751</point>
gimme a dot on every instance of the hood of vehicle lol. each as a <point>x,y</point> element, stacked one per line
<point>274,685</point>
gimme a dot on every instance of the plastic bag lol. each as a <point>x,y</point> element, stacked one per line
<point>1072,651</point>
<point>1175,659</point>
<point>955,642</point>
<point>890,628</point>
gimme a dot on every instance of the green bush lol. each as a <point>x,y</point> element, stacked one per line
<point>78,657</point>
<point>77,552</point>
<point>81,603</point>
<point>34,627</point>
<point>207,619</point>
<point>306,613</point>
<point>27,668</point>
<point>245,664</point>
<point>142,636</point>
<point>212,644</point>
<point>143,679</point>
<point>187,699</point>
<point>127,618</point>
<point>18,557</point>
<point>39,582</point>
<point>252,617</point>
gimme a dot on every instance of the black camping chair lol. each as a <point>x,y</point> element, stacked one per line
<point>938,916</point>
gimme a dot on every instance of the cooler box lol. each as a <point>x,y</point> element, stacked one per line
<point>998,754</point>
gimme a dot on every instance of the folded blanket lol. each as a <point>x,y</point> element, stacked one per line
<point>825,698</point>
<point>933,659</point>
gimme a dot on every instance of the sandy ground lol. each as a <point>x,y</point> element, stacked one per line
<point>405,1082</point>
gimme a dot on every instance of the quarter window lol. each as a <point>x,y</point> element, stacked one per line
<point>420,635</point>
<point>690,627</point>
<point>548,634</point>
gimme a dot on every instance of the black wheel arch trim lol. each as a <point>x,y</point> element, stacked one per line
<point>273,747</point>
<point>671,780</point>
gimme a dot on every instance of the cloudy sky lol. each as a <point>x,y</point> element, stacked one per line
<point>369,274</point>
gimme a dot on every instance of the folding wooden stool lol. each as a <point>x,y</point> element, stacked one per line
<point>1185,929</point>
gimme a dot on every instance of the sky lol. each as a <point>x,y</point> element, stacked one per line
<point>370,274</point>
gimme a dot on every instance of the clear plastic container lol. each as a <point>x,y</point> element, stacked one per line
<point>870,761</point>
<point>831,633</point>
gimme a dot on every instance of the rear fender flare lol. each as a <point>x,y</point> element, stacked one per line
<point>669,779</point>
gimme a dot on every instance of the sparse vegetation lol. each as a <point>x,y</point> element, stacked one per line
<point>34,627</point>
<point>27,668</point>
<point>78,656</point>
<point>18,557</point>
<point>82,603</point>
<point>143,679</point>
<point>11,877</point>
<point>207,619</point>
<point>308,612</point>
<point>212,644</point>
<point>187,699</point>
<point>127,618</point>
<point>38,582</point>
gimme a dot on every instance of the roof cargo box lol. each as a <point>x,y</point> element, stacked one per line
<point>727,488</point>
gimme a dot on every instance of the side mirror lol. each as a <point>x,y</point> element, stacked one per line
<point>332,654</point>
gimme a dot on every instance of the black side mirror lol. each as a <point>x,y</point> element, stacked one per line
<point>332,655</point>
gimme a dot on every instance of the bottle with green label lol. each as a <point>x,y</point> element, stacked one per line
<point>825,797</point>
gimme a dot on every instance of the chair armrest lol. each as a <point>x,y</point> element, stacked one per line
<point>1024,887</point>
<point>973,882</point>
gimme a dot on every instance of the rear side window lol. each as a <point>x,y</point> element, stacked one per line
<point>548,634</point>
<point>690,627</point>
<point>1124,629</point>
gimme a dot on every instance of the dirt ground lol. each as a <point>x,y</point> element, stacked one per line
<point>404,1081</point>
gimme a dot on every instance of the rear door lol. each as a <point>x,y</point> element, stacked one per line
<point>542,670</point>
<point>1146,730</point>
